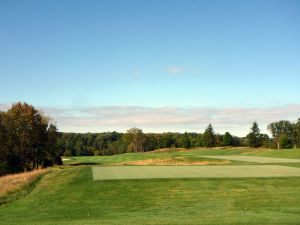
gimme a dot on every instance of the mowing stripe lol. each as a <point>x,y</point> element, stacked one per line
<point>160,172</point>
<point>256,159</point>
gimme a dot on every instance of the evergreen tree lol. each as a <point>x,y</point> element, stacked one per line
<point>254,137</point>
<point>208,137</point>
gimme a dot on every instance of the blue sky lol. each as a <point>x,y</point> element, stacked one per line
<point>78,55</point>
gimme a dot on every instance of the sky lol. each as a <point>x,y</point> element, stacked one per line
<point>160,65</point>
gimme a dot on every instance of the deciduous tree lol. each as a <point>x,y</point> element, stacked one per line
<point>279,128</point>
<point>25,135</point>
<point>227,139</point>
<point>135,138</point>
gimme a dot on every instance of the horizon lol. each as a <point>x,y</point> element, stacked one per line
<point>160,66</point>
<point>164,117</point>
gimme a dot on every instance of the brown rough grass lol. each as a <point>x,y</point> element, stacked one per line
<point>203,148</point>
<point>168,150</point>
<point>170,161</point>
<point>187,150</point>
<point>13,182</point>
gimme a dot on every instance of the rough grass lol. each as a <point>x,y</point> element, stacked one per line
<point>174,161</point>
<point>15,186</point>
<point>10,183</point>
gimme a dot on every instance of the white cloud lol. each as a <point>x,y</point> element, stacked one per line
<point>175,70</point>
<point>4,107</point>
<point>162,119</point>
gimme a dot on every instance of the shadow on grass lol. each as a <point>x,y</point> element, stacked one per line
<point>84,164</point>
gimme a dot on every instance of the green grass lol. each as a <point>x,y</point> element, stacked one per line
<point>159,172</point>
<point>70,196</point>
<point>190,155</point>
<point>287,153</point>
<point>258,159</point>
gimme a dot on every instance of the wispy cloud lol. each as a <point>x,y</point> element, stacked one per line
<point>162,119</point>
<point>4,107</point>
<point>175,70</point>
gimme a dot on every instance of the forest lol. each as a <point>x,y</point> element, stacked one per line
<point>285,135</point>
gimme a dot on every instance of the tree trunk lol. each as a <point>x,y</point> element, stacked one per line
<point>278,146</point>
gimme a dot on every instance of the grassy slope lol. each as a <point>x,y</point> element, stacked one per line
<point>15,186</point>
<point>70,196</point>
<point>188,155</point>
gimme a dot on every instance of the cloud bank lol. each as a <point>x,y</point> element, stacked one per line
<point>162,119</point>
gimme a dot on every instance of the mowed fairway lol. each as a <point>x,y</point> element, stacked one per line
<point>256,159</point>
<point>160,172</point>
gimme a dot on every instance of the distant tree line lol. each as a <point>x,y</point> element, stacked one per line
<point>285,135</point>
<point>134,140</point>
<point>28,140</point>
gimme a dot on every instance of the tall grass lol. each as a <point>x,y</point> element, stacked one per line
<point>15,185</point>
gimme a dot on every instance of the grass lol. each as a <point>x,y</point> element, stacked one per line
<point>180,160</point>
<point>69,195</point>
<point>15,185</point>
<point>257,159</point>
<point>193,155</point>
<point>158,172</point>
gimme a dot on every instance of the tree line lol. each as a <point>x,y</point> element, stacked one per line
<point>286,135</point>
<point>28,140</point>
<point>135,140</point>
